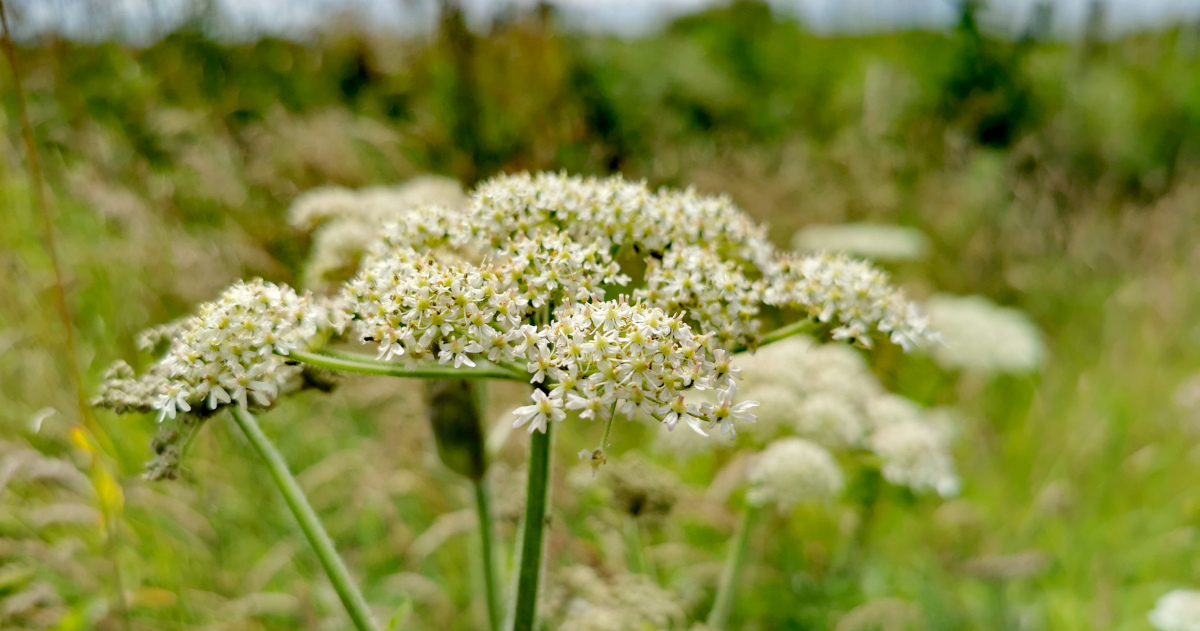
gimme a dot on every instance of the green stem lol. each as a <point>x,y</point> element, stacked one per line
<point>335,569</point>
<point>350,362</point>
<point>783,332</point>
<point>490,580</point>
<point>723,605</point>
<point>537,503</point>
<point>608,427</point>
<point>633,548</point>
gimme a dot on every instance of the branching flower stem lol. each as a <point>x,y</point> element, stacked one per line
<point>537,503</point>
<point>362,364</point>
<point>718,618</point>
<point>796,328</point>
<point>352,599</point>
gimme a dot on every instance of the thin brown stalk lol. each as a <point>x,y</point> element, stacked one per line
<point>37,185</point>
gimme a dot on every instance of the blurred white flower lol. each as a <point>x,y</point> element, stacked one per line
<point>1178,610</point>
<point>879,242</point>
<point>792,471</point>
<point>579,599</point>
<point>979,335</point>
<point>916,454</point>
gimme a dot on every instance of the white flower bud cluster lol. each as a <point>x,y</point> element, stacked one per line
<point>981,336</point>
<point>228,352</point>
<point>792,471</point>
<point>857,296</point>
<point>615,357</point>
<point>1178,610</point>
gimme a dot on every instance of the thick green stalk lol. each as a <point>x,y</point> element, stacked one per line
<point>537,503</point>
<point>335,569</point>
<point>783,332</point>
<point>723,605</point>
<point>349,362</point>
<point>490,579</point>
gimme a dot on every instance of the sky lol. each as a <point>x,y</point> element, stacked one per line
<point>137,19</point>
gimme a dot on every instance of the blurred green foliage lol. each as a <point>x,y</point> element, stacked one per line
<point>1065,183</point>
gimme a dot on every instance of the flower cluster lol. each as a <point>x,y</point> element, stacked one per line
<point>607,358</point>
<point>1178,610</point>
<point>791,471</point>
<point>228,352</point>
<point>858,297</point>
<point>981,336</point>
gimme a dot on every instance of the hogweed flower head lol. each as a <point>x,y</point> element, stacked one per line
<point>791,471</point>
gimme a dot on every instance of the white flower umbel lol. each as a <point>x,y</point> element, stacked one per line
<point>981,336</point>
<point>850,293</point>
<point>792,471</point>
<point>879,242</point>
<point>916,454</point>
<point>229,352</point>
<point>1178,610</point>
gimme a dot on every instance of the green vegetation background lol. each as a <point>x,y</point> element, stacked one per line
<point>1060,178</point>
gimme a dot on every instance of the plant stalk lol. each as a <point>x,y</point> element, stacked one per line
<point>349,362</point>
<point>635,553</point>
<point>726,589</point>
<point>490,577</point>
<point>352,599</point>
<point>537,504</point>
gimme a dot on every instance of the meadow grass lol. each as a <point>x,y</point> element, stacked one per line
<point>171,167</point>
